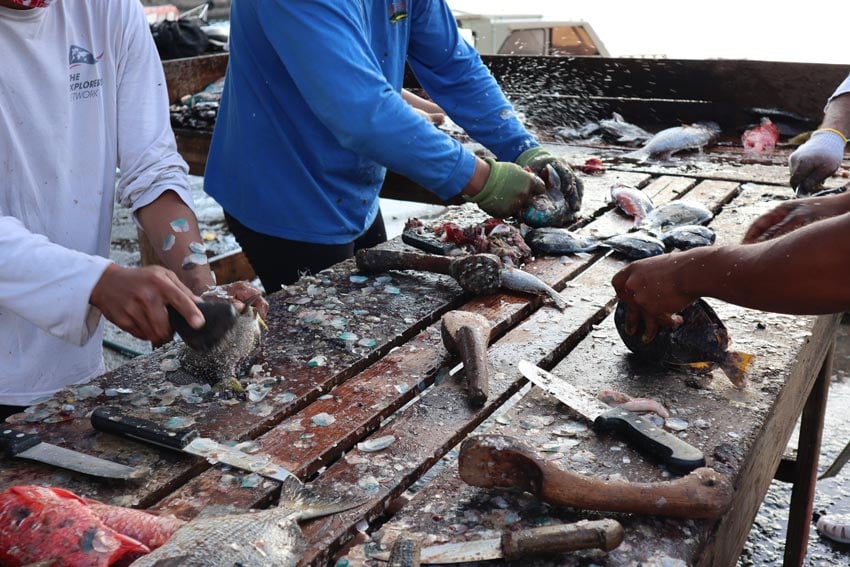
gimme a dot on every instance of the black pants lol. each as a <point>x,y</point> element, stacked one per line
<point>280,262</point>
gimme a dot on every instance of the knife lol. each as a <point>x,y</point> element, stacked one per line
<point>678,455</point>
<point>113,420</point>
<point>30,446</point>
<point>586,534</point>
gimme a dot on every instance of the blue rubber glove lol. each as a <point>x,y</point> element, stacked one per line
<point>538,158</point>
<point>507,189</point>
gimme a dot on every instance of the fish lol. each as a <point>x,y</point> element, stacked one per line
<point>555,241</point>
<point>700,343</point>
<point>636,245</point>
<point>151,529</point>
<point>624,132</point>
<point>631,201</point>
<point>549,209</point>
<point>687,236</point>
<point>835,526</point>
<point>519,280</point>
<point>229,357</point>
<point>762,139</point>
<point>677,213</point>
<point>53,525</point>
<point>264,538</point>
<point>672,140</point>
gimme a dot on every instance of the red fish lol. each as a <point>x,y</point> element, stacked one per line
<point>150,529</point>
<point>39,524</point>
<point>762,139</point>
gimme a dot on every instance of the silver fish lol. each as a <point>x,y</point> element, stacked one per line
<point>623,131</point>
<point>267,538</point>
<point>230,356</point>
<point>676,213</point>
<point>554,241</point>
<point>636,245</point>
<point>519,280</point>
<point>667,142</point>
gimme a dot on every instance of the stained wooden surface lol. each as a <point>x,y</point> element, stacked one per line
<point>393,376</point>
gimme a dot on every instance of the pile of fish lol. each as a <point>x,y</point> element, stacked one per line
<point>699,344</point>
<point>199,110</point>
<point>678,225</point>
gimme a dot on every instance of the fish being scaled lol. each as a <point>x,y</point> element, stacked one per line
<point>672,140</point>
<point>554,241</point>
<point>549,209</point>
<point>229,357</point>
<point>265,538</point>
<point>677,213</point>
<point>632,201</point>
<point>55,526</point>
<point>636,245</point>
<point>688,236</point>
<point>700,343</point>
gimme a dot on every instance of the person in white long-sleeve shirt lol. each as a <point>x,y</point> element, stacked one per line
<point>821,155</point>
<point>82,92</point>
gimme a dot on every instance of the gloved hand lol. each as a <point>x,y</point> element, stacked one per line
<point>815,160</point>
<point>537,159</point>
<point>507,189</point>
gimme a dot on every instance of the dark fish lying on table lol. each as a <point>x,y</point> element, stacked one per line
<point>667,142</point>
<point>676,213</point>
<point>554,241</point>
<point>636,245</point>
<point>623,131</point>
<point>700,343</point>
<point>266,538</point>
<point>631,201</point>
<point>687,236</point>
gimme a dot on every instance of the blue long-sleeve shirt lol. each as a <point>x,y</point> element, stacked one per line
<point>311,114</point>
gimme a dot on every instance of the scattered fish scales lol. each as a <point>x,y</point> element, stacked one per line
<point>323,419</point>
<point>376,444</point>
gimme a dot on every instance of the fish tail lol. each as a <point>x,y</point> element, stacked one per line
<point>735,366</point>
<point>303,503</point>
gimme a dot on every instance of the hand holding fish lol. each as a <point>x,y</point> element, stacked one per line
<point>817,159</point>
<point>507,189</point>
<point>239,293</point>
<point>792,215</point>
<point>571,186</point>
<point>653,298</point>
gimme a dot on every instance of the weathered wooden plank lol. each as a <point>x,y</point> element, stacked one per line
<point>190,75</point>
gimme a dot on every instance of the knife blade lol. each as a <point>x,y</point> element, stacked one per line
<point>586,534</point>
<point>111,419</point>
<point>679,456</point>
<point>17,443</point>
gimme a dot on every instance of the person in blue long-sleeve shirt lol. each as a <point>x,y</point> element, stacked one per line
<point>311,117</point>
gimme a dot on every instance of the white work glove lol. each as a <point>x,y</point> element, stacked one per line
<point>816,160</point>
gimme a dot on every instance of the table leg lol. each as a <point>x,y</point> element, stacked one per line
<point>806,467</point>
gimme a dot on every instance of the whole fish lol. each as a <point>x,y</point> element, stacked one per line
<point>220,365</point>
<point>676,213</point>
<point>667,142</point>
<point>636,245</point>
<point>687,236</point>
<point>623,131</point>
<point>150,529</point>
<point>266,538</point>
<point>549,209</point>
<point>519,280</point>
<point>554,241</point>
<point>700,343</point>
<point>632,201</point>
<point>55,526</point>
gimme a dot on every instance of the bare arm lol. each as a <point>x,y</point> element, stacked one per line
<point>803,272</point>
